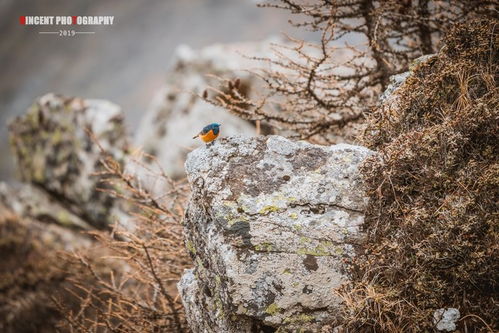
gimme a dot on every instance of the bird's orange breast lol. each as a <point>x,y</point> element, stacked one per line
<point>208,137</point>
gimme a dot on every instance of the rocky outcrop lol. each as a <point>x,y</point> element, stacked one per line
<point>269,226</point>
<point>59,162</point>
<point>177,113</point>
<point>58,159</point>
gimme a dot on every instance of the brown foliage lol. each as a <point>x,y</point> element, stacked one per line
<point>133,287</point>
<point>432,225</point>
<point>30,272</point>
<point>314,90</point>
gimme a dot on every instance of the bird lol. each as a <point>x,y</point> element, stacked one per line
<point>209,133</point>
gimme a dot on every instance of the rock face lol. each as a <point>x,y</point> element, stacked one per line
<point>55,154</point>
<point>57,161</point>
<point>176,114</point>
<point>269,224</point>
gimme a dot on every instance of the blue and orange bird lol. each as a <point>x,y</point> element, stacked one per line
<point>209,133</point>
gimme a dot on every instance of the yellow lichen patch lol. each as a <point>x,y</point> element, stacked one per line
<point>339,251</point>
<point>301,318</point>
<point>318,251</point>
<point>64,218</point>
<point>190,247</point>
<point>264,247</point>
<point>272,309</point>
<point>229,203</point>
<point>268,209</point>
<point>304,240</point>
<point>57,136</point>
<point>233,219</point>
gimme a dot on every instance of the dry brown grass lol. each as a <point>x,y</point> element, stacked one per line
<point>432,223</point>
<point>29,273</point>
<point>131,287</point>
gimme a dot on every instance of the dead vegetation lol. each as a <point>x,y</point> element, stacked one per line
<point>316,91</point>
<point>432,223</point>
<point>132,286</point>
<point>29,272</point>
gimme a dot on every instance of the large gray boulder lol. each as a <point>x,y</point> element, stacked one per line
<point>269,226</point>
<point>56,155</point>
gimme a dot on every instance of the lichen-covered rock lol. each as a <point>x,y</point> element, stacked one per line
<point>176,114</point>
<point>55,153</point>
<point>269,224</point>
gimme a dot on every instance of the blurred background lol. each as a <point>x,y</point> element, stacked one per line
<point>125,63</point>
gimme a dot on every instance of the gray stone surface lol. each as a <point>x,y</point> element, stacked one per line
<point>445,319</point>
<point>55,155</point>
<point>269,224</point>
